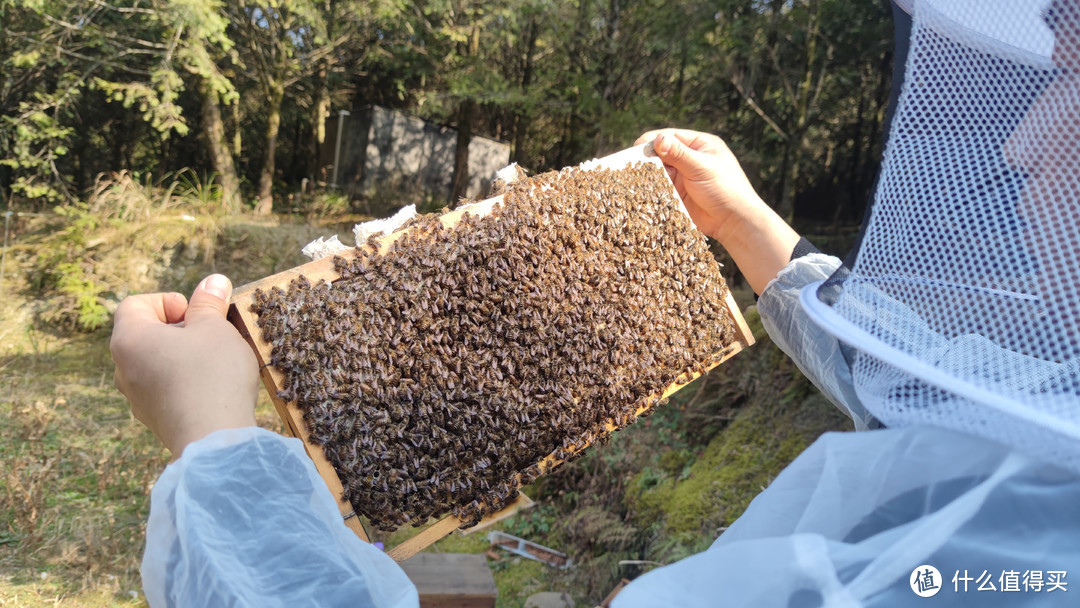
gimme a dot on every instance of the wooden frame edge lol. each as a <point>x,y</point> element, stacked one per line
<point>323,269</point>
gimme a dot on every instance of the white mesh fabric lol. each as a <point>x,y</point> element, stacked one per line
<point>963,302</point>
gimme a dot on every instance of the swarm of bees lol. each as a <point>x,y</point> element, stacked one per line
<point>439,375</point>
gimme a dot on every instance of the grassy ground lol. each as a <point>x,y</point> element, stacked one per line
<point>78,468</point>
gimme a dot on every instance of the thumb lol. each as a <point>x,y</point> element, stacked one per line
<point>210,300</point>
<point>687,161</point>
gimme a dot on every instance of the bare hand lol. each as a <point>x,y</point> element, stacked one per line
<point>723,204</point>
<point>185,369</point>
<point>707,176</point>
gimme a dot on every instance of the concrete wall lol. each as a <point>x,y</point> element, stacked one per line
<point>386,153</point>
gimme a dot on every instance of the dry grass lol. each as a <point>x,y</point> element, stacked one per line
<point>75,488</point>
<point>78,472</point>
<point>77,467</point>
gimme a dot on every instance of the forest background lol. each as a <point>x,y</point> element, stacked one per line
<point>144,143</point>
<point>241,90</point>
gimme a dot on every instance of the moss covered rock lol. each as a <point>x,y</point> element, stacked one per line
<point>767,413</point>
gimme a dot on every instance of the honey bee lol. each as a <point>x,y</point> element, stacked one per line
<point>435,372</point>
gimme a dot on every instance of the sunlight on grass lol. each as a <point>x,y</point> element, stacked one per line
<point>78,475</point>
<point>46,592</point>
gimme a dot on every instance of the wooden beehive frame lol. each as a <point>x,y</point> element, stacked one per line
<point>245,321</point>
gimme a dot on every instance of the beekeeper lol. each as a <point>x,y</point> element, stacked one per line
<point>955,328</point>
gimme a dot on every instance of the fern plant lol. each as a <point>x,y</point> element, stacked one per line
<point>87,309</point>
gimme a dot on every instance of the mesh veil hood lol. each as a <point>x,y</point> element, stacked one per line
<point>962,303</point>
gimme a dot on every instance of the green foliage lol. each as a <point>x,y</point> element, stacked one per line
<point>34,140</point>
<point>73,300</point>
<point>85,310</point>
<point>101,250</point>
<point>156,99</point>
<point>118,196</point>
<point>58,73</point>
<point>720,484</point>
<point>537,522</point>
<point>321,204</point>
<point>517,578</point>
<point>203,193</point>
<point>797,88</point>
<point>201,26</point>
<point>675,463</point>
<point>599,531</point>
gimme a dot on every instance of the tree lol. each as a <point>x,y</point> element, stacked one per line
<point>794,64</point>
<point>283,43</point>
<point>795,86</point>
<point>201,28</point>
<point>135,54</point>
<point>457,37</point>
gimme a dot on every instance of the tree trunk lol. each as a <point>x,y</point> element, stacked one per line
<point>299,159</point>
<point>785,190</point>
<point>266,175</point>
<point>608,75</point>
<point>521,119</point>
<point>460,187</point>
<point>214,131</point>
<point>854,175</point>
<point>319,116</point>
<point>237,148</point>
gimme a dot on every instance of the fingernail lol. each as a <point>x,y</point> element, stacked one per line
<point>217,284</point>
<point>662,145</point>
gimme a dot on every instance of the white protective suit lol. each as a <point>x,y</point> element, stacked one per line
<point>852,519</point>
<point>971,497</point>
<point>242,518</point>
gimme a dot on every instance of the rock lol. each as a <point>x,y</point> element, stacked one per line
<point>549,599</point>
